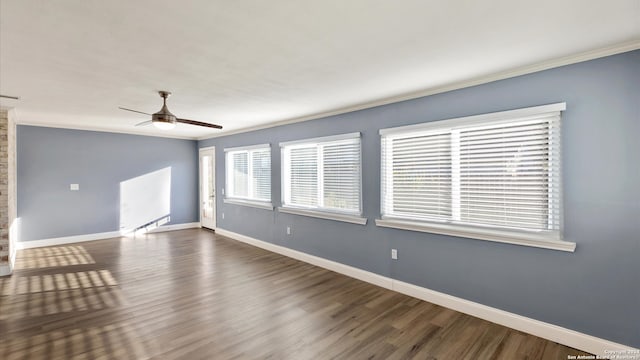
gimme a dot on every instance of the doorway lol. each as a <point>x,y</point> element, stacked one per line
<point>208,188</point>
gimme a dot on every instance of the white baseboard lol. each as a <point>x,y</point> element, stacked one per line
<point>97,236</point>
<point>5,270</point>
<point>13,251</point>
<point>67,240</point>
<point>351,271</point>
<point>174,227</point>
<point>555,333</point>
<point>12,255</point>
<point>568,337</point>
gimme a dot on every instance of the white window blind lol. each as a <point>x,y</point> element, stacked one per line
<point>303,179</point>
<point>419,176</point>
<point>239,186</point>
<point>248,173</point>
<point>509,174</point>
<point>323,174</point>
<point>500,172</point>
<point>261,174</point>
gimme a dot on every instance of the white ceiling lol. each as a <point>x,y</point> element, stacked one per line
<point>251,63</point>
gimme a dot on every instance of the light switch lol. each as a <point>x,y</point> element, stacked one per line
<point>74,187</point>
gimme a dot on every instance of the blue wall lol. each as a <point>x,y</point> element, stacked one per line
<point>50,159</point>
<point>594,290</point>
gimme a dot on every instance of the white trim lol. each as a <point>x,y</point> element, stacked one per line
<point>5,270</point>
<point>531,326</point>
<point>354,219</point>
<point>96,236</point>
<point>250,147</point>
<point>500,75</point>
<point>67,240</point>
<point>251,198</point>
<point>174,227</point>
<point>507,237</point>
<point>351,271</point>
<point>202,149</point>
<point>14,230</point>
<point>250,203</point>
<point>214,220</point>
<point>12,256</point>
<point>538,328</point>
<point>509,115</point>
<point>285,174</point>
<point>354,135</point>
<point>319,144</point>
<point>101,129</point>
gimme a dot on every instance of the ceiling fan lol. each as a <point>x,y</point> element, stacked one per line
<point>165,120</point>
<point>9,97</point>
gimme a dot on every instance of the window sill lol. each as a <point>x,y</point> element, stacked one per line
<point>325,215</point>
<point>255,204</point>
<point>500,236</point>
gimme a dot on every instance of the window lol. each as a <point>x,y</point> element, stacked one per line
<point>323,176</point>
<point>493,176</point>
<point>249,175</point>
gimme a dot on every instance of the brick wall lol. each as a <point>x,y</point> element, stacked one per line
<point>4,187</point>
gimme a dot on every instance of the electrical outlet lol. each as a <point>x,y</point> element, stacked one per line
<point>222,191</point>
<point>74,187</point>
<point>394,254</point>
<point>223,215</point>
<point>288,230</point>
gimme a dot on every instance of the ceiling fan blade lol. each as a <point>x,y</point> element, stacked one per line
<point>144,123</point>
<point>198,123</point>
<point>136,111</point>
<point>10,97</point>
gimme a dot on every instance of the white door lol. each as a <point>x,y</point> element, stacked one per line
<point>207,187</point>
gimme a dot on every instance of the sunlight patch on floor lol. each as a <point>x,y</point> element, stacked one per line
<point>45,257</point>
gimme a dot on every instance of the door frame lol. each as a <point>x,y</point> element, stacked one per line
<point>213,168</point>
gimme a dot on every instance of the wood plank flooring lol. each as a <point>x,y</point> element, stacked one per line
<point>192,294</point>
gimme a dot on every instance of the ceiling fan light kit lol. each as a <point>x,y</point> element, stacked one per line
<point>165,120</point>
<point>164,125</point>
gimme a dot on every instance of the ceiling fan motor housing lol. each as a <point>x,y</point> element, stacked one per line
<point>164,115</point>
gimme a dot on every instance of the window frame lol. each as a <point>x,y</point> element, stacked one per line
<point>248,200</point>
<point>355,217</point>
<point>541,239</point>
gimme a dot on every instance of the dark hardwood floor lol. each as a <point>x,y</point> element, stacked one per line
<point>192,294</point>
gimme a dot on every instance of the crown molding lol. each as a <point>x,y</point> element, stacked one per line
<point>100,129</point>
<point>501,75</point>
